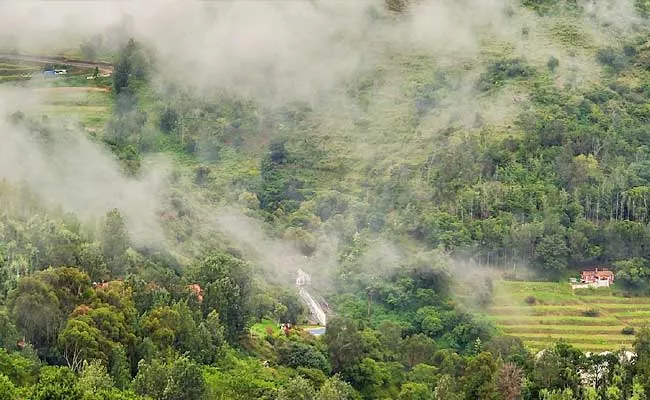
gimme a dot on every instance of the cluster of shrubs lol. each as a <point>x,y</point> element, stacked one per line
<point>628,330</point>
<point>500,71</point>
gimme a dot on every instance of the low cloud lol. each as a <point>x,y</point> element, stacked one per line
<point>67,170</point>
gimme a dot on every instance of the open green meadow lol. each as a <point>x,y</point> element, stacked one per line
<point>267,327</point>
<point>542,313</point>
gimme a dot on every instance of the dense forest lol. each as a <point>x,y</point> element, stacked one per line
<point>405,192</point>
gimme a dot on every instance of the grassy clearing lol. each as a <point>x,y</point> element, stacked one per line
<point>615,300</point>
<point>12,78</point>
<point>624,306</point>
<point>6,65</point>
<point>80,81</point>
<point>88,106</point>
<point>576,339</point>
<point>634,315</point>
<point>63,109</point>
<point>554,320</point>
<point>10,71</point>
<point>15,71</point>
<point>564,329</point>
<point>557,313</point>
<point>76,98</point>
<point>89,117</point>
<point>638,321</point>
<point>262,329</point>
<point>541,309</point>
<point>537,345</point>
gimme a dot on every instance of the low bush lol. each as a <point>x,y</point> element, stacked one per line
<point>553,63</point>
<point>612,58</point>
<point>500,71</point>
<point>628,330</point>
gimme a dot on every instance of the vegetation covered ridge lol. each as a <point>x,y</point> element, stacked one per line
<point>439,182</point>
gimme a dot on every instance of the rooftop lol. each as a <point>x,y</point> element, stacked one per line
<point>597,272</point>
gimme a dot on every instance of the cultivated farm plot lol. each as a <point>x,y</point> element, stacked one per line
<point>558,313</point>
<point>69,100</point>
<point>90,108</point>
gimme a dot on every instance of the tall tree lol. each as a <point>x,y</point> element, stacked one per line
<point>7,389</point>
<point>114,242</point>
<point>34,307</point>
<point>642,365</point>
<point>510,381</point>
<point>56,383</point>
<point>227,288</point>
<point>480,378</point>
<point>344,343</point>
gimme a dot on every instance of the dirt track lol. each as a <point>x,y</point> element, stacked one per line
<point>103,66</point>
<point>71,89</point>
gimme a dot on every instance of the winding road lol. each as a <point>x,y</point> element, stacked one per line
<point>315,309</point>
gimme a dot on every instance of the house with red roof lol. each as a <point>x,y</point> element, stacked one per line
<point>598,277</point>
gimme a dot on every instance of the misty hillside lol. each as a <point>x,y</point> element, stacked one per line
<point>440,168</point>
<point>517,138</point>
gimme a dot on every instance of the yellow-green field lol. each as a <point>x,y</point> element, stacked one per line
<point>559,313</point>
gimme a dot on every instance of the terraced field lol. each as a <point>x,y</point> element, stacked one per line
<point>13,71</point>
<point>87,106</point>
<point>559,313</point>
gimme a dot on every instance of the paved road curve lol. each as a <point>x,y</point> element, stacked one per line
<point>314,307</point>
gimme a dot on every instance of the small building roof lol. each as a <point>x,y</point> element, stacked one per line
<point>597,272</point>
